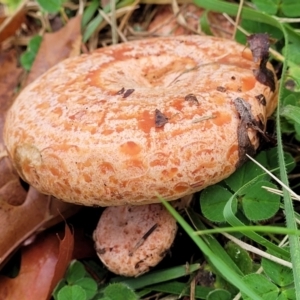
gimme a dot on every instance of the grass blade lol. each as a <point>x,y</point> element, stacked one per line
<point>235,222</point>
<point>223,268</point>
<point>158,276</point>
<point>248,14</point>
<point>288,204</point>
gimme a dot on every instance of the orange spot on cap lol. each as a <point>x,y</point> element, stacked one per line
<point>130,148</point>
<point>87,178</point>
<point>107,131</point>
<point>178,104</point>
<point>181,187</point>
<point>248,83</point>
<point>146,121</point>
<point>58,111</point>
<point>221,118</point>
<point>247,54</point>
<point>43,105</point>
<point>170,173</point>
<point>106,167</point>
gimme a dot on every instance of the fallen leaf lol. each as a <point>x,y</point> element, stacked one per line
<point>11,24</point>
<point>9,79</point>
<point>25,213</point>
<point>246,120</point>
<point>66,248</point>
<point>43,264</point>
<point>36,213</point>
<point>264,75</point>
<point>83,245</point>
<point>36,272</point>
<point>2,19</point>
<point>11,190</point>
<point>166,22</point>
<point>56,47</point>
<point>10,76</point>
<point>259,45</point>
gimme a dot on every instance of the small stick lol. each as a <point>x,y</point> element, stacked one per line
<point>143,239</point>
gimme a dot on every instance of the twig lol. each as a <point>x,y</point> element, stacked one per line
<point>113,22</point>
<point>143,239</point>
<point>204,118</point>
<point>81,7</point>
<point>258,251</point>
<point>128,12</point>
<point>237,20</point>
<point>108,20</point>
<point>278,192</point>
<point>287,20</point>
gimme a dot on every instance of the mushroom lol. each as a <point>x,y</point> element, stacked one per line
<point>131,239</point>
<point>121,125</point>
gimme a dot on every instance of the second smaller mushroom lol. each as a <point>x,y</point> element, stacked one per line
<point>131,239</point>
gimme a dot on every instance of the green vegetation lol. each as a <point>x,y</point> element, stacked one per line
<point>244,203</point>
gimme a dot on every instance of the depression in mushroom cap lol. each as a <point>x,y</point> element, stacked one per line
<point>118,126</point>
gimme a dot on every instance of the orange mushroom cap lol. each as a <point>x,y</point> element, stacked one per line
<point>128,121</point>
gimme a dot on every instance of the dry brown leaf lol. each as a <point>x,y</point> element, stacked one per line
<point>36,213</point>
<point>11,24</point>
<point>83,245</point>
<point>66,248</point>
<point>44,263</point>
<point>11,190</point>
<point>2,19</point>
<point>26,213</point>
<point>9,79</point>
<point>166,22</point>
<point>56,47</point>
<point>36,272</point>
<point>259,45</point>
